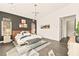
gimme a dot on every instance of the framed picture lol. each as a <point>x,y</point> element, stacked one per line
<point>45,26</point>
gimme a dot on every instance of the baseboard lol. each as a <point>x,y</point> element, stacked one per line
<point>51,39</point>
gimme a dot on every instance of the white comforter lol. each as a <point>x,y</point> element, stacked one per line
<point>24,40</point>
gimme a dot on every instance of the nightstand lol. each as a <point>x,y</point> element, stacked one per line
<point>7,39</point>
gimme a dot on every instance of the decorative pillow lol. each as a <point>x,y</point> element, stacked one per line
<point>25,33</point>
<point>18,36</point>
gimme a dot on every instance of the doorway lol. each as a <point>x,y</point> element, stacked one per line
<point>67,27</point>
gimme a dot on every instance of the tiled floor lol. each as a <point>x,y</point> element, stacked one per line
<point>60,49</point>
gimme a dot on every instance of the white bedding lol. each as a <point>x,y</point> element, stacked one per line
<point>19,35</point>
<point>30,37</point>
<point>24,40</point>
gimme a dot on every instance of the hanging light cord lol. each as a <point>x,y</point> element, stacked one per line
<point>35,5</point>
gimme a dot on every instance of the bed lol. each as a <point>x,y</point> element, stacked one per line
<point>28,44</point>
<point>26,38</point>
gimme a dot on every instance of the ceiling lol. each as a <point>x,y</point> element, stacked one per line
<point>27,9</point>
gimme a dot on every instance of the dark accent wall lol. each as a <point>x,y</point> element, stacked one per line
<point>15,21</point>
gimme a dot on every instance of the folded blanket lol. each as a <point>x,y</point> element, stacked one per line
<point>35,40</point>
<point>29,42</point>
<point>35,45</point>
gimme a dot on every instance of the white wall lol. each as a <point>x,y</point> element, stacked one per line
<point>54,21</point>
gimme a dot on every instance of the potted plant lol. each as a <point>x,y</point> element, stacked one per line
<point>77,33</point>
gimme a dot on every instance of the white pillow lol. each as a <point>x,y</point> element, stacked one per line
<point>18,36</point>
<point>25,33</point>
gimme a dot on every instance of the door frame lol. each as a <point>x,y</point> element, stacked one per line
<point>60,25</point>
